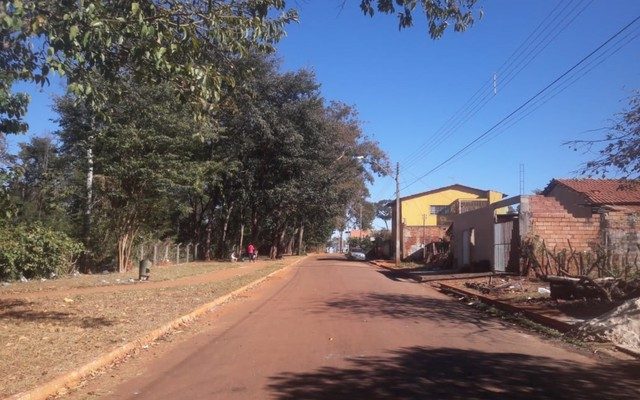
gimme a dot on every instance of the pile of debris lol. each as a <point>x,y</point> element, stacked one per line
<point>496,286</point>
<point>620,326</point>
<point>583,287</point>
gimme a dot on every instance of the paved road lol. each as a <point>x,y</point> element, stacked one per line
<point>331,329</point>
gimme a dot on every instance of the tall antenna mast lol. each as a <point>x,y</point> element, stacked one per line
<point>521,179</point>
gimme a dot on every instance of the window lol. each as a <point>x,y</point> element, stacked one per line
<point>440,210</point>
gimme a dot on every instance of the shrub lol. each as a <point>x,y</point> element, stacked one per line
<point>35,251</point>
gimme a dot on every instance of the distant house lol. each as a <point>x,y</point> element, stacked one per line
<point>583,214</point>
<point>426,216</point>
<point>359,233</point>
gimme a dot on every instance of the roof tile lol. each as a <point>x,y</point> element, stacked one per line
<point>602,191</point>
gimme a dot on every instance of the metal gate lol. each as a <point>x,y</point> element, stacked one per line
<point>466,247</point>
<point>502,239</point>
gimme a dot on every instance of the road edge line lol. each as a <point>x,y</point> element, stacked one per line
<point>54,386</point>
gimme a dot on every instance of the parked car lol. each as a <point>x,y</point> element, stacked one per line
<point>356,254</point>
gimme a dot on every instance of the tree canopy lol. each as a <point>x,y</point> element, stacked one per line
<point>619,150</point>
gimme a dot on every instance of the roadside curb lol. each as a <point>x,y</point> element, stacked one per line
<point>544,320</point>
<point>539,318</point>
<point>398,273</point>
<point>52,387</point>
<point>627,351</point>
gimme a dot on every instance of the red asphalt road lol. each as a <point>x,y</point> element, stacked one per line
<point>332,329</point>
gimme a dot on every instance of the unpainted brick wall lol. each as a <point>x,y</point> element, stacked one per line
<point>622,230</point>
<point>552,222</point>
<point>412,237</point>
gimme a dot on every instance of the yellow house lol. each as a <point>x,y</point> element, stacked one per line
<point>426,216</point>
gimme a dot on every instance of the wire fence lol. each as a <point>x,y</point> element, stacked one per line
<point>168,253</point>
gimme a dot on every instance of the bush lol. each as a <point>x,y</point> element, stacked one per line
<point>34,251</point>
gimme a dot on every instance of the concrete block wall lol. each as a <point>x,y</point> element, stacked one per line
<point>551,221</point>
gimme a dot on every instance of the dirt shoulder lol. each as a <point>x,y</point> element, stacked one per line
<point>112,281</point>
<point>45,333</point>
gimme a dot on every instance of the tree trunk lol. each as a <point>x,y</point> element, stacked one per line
<point>207,247</point>
<point>291,242</point>
<point>223,239</point>
<point>273,251</point>
<point>125,245</point>
<point>280,249</point>
<point>86,226</point>
<point>300,236</point>
<point>254,226</point>
<point>241,238</point>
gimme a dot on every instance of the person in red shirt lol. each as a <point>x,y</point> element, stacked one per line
<point>251,250</point>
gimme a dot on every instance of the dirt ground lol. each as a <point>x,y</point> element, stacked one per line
<point>161,273</point>
<point>532,294</point>
<point>48,328</point>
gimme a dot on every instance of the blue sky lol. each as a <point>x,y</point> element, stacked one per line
<point>406,86</point>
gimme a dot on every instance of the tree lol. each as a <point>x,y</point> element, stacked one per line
<point>384,212</point>
<point>619,150</point>
<point>142,158</point>
<point>38,183</point>
<point>440,14</point>
<point>190,43</point>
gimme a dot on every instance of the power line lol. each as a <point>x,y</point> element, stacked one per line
<point>509,74</point>
<point>530,100</point>
<point>576,76</point>
<point>510,66</point>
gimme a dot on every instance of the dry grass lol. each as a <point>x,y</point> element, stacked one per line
<point>161,273</point>
<point>44,337</point>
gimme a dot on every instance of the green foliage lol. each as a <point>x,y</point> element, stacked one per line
<point>142,159</point>
<point>365,244</point>
<point>35,251</point>
<point>188,43</point>
<point>440,14</point>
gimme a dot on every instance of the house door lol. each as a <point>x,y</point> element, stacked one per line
<point>502,237</point>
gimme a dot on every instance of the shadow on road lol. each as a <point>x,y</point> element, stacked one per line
<point>332,258</point>
<point>454,374</point>
<point>399,275</point>
<point>408,306</point>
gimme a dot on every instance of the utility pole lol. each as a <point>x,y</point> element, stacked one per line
<point>424,236</point>
<point>397,214</point>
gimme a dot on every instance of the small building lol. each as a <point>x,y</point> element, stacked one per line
<point>426,216</point>
<point>577,214</point>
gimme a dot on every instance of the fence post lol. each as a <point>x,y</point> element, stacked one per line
<point>155,254</point>
<point>166,253</point>
<point>188,248</point>
<point>195,252</point>
<point>178,254</point>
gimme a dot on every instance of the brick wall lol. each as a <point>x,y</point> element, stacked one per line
<point>412,237</point>
<point>553,223</point>
<point>622,230</point>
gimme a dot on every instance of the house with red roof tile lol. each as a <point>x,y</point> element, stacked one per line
<point>579,214</point>
<point>581,196</point>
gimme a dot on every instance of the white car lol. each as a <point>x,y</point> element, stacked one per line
<point>356,254</point>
